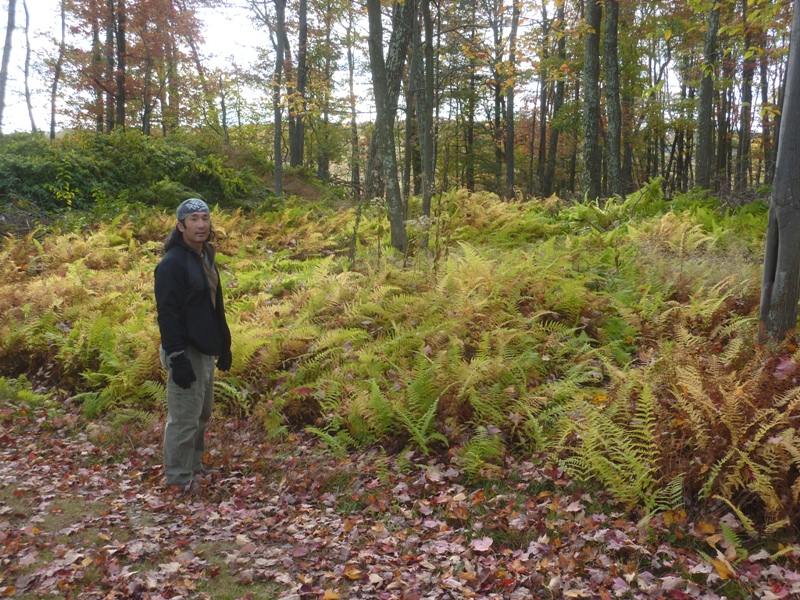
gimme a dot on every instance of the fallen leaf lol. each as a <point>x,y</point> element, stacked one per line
<point>481,544</point>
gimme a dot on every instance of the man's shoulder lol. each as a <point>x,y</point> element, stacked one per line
<point>175,256</point>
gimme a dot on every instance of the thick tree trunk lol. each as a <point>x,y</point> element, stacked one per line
<point>592,159</point>
<point>383,137</point>
<point>12,11</point>
<point>704,157</point>
<point>394,61</point>
<point>780,289</point>
<point>613,106</point>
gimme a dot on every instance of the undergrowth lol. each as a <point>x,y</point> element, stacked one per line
<point>618,337</point>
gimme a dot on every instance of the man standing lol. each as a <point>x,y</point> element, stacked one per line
<point>194,334</point>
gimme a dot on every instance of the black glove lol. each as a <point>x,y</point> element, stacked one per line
<point>224,361</point>
<point>182,371</point>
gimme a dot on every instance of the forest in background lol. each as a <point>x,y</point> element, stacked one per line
<point>524,99</point>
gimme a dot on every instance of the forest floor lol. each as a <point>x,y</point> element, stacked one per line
<point>84,514</point>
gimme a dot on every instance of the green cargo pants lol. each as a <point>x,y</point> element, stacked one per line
<point>189,412</point>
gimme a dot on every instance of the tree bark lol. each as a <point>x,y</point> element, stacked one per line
<point>541,165</point>
<point>704,157</point>
<point>12,10</point>
<point>780,288</point>
<point>548,182</point>
<point>592,159</point>
<point>280,9</point>
<point>613,107</point>
<point>355,174</point>
<point>745,124</point>
<point>512,59</point>
<point>425,108</point>
<point>393,62</point>
<point>297,139</point>
<point>57,71</point>
<point>28,102</point>
<point>121,99</point>
<point>383,137</point>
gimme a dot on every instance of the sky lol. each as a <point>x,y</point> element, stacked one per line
<point>228,33</point>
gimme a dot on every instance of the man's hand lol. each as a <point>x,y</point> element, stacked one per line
<point>182,371</point>
<point>224,361</point>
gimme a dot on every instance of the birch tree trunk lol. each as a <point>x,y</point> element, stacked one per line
<point>12,9</point>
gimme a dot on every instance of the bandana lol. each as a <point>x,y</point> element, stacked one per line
<point>192,205</point>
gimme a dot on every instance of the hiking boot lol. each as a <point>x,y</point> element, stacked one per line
<point>184,490</point>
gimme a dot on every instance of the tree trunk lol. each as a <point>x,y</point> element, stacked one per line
<point>223,110</point>
<point>592,159</point>
<point>280,8</point>
<point>425,107</point>
<point>548,182</point>
<point>383,137</point>
<point>121,99</point>
<point>62,48</point>
<point>97,70</point>
<point>394,61</point>
<point>355,172</point>
<point>766,126</point>
<point>324,145</point>
<point>704,157</point>
<point>780,288</point>
<point>12,10</point>
<point>297,139</point>
<point>412,122</point>
<point>544,92</point>
<point>108,49</point>
<point>745,124</point>
<point>28,102</point>
<point>613,107</point>
<point>511,75</point>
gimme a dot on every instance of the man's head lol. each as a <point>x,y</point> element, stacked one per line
<point>194,222</point>
<point>190,206</point>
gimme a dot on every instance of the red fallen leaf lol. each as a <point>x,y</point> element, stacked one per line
<point>299,551</point>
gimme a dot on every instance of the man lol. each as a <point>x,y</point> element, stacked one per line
<point>194,333</point>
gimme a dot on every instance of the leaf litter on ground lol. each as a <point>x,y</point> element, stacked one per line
<point>85,518</point>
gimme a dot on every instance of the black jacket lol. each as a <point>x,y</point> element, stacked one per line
<point>185,312</point>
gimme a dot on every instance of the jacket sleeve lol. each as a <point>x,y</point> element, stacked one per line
<point>169,283</point>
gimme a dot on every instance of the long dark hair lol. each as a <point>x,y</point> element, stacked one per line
<point>176,234</point>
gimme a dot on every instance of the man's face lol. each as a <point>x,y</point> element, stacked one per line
<point>195,228</point>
